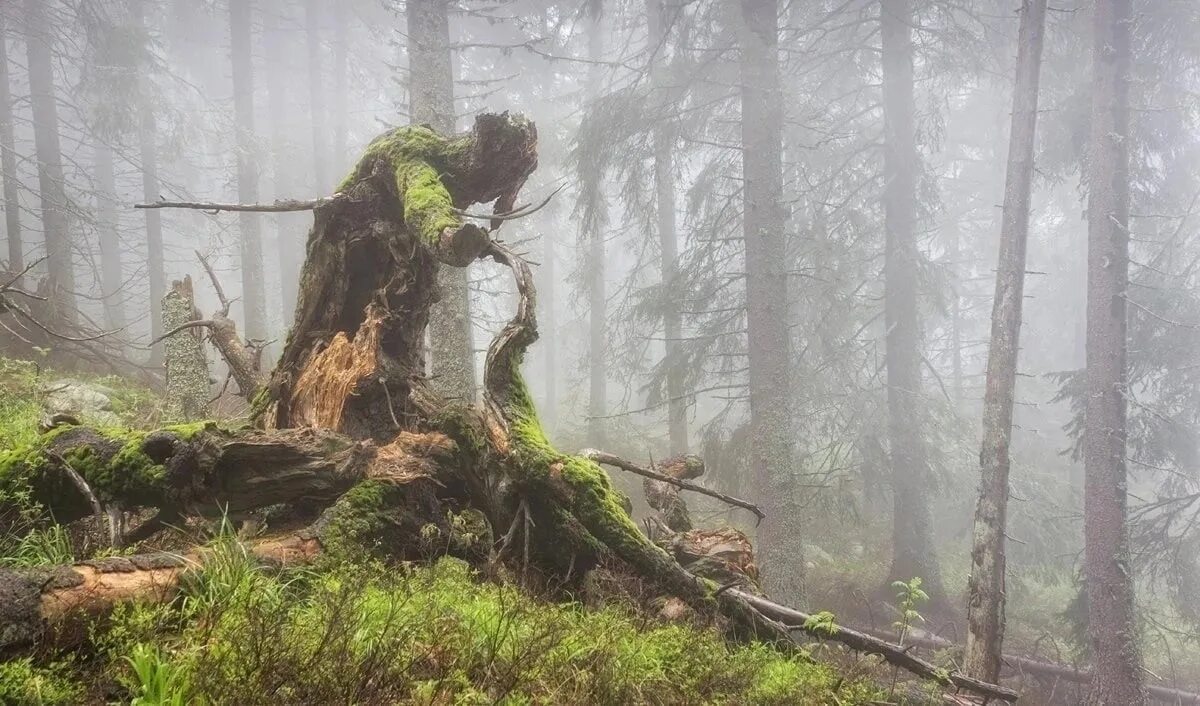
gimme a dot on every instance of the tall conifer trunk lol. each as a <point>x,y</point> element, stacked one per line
<point>147,130</point>
<point>431,101</point>
<point>8,164</point>
<point>766,295</point>
<point>111,268</point>
<point>59,261</point>
<point>985,600</point>
<point>664,188</point>
<point>253,294</point>
<point>912,532</point>
<point>1108,573</point>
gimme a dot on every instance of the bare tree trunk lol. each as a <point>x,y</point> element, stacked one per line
<point>912,534</point>
<point>253,295</point>
<point>60,268</point>
<point>766,295</point>
<point>985,592</point>
<point>341,99</point>
<point>187,367</point>
<point>316,94</point>
<point>595,265</point>
<point>148,155</point>
<point>111,271</point>
<point>1109,575</point>
<point>289,228</point>
<point>8,164</point>
<point>664,187</point>
<point>431,101</point>
<point>547,290</point>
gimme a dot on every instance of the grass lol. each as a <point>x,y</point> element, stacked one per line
<point>433,634</point>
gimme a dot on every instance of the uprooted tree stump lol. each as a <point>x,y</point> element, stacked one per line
<point>347,421</point>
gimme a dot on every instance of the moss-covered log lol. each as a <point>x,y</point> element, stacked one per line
<point>203,469</point>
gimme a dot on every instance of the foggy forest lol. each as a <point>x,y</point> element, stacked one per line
<point>438,352</point>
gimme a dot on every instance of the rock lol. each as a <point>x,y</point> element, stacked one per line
<point>90,403</point>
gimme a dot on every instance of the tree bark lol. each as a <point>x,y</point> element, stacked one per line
<point>912,535</point>
<point>254,306</point>
<point>8,164</point>
<point>431,102</point>
<point>664,189</point>
<point>112,278</point>
<point>1108,573</point>
<point>767,297</point>
<point>316,94</point>
<point>985,592</point>
<point>59,257</point>
<point>289,233</point>
<point>156,273</point>
<point>594,267</point>
<point>187,366</point>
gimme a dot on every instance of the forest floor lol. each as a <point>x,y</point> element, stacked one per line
<point>360,631</point>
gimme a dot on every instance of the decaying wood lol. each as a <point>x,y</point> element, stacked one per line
<point>278,206</point>
<point>55,603</point>
<point>897,655</point>
<point>618,462</point>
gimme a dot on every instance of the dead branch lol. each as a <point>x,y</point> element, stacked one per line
<point>897,655</point>
<point>278,206</point>
<point>519,212</point>
<point>618,462</point>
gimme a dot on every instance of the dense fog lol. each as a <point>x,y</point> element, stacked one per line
<point>766,232</point>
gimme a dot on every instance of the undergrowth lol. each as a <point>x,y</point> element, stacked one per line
<point>433,634</point>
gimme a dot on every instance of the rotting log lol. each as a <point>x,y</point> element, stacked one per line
<point>203,469</point>
<point>55,603</point>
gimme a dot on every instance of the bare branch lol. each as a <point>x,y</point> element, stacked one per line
<point>618,462</point>
<point>278,206</point>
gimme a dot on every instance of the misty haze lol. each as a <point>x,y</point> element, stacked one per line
<point>600,352</point>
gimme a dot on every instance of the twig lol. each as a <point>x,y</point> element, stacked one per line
<point>618,462</point>
<point>216,283</point>
<point>195,323</point>
<point>279,206</point>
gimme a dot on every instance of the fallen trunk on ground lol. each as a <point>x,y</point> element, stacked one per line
<point>347,417</point>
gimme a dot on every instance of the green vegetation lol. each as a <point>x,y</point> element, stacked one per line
<point>432,634</point>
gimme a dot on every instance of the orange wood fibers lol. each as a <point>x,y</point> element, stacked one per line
<point>330,376</point>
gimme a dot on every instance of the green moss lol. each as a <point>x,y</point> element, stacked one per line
<point>353,524</point>
<point>418,157</point>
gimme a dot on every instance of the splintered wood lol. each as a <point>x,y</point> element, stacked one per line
<point>331,375</point>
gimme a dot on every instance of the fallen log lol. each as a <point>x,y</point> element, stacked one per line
<point>1018,665</point>
<point>894,654</point>
<point>57,602</point>
<point>202,469</point>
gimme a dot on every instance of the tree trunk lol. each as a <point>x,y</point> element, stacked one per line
<point>341,79</point>
<point>985,593</point>
<point>1108,572</point>
<point>148,155</point>
<point>912,536</point>
<point>8,164</point>
<point>547,288</point>
<point>289,231</point>
<point>254,306</point>
<point>187,366</point>
<point>59,258</point>
<point>431,102</point>
<point>112,278</point>
<point>316,95</point>
<point>767,298</point>
<point>664,188</point>
<point>594,267</point>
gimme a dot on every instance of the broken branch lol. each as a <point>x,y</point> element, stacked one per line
<point>278,206</point>
<point>618,462</point>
